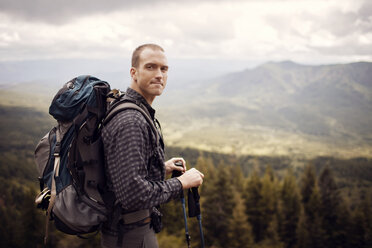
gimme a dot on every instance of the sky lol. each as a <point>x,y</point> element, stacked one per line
<point>310,32</point>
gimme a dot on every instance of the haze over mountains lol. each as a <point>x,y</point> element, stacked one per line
<point>280,108</point>
<point>274,109</point>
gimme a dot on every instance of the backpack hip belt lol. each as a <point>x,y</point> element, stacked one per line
<point>136,216</point>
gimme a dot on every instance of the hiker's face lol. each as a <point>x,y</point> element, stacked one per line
<point>150,78</point>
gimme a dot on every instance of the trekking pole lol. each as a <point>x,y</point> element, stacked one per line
<point>176,173</point>
<point>194,210</point>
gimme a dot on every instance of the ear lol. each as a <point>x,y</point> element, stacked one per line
<point>133,74</point>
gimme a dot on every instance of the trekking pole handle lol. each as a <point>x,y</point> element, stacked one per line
<point>177,173</point>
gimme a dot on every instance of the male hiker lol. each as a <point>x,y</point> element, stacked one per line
<point>135,159</point>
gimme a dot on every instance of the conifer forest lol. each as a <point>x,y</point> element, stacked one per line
<point>246,201</point>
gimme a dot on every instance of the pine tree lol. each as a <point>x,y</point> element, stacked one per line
<point>32,233</point>
<point>269,200</point>
<point>362,223</point>
<point>237,177</point>
<point>240,232</point>
<point>205,165</point>
<point>335,220</point>
<point>289,211</point>
<point>358,229</point>
<point>272,238</point>
<point>302,231</point>
<point>308,182</point>
<point>310,231</point>
<point>6,230</point>
<point>11,203</point>
<point>252,199</point>
<point>366,209</point>
<point>218,206</point>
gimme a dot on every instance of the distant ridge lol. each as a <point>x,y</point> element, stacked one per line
<point>277,108</point>
<point>281,107</point>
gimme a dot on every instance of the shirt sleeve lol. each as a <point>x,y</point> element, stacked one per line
<point>127,156</point>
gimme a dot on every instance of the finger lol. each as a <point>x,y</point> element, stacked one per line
<point>182,161</point>
<point>184,164</point>
<point>178,168</point>
<point>177,159</point>
<point>174,160</point>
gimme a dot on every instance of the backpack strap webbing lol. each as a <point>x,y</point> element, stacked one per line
<point>53,191</point>
<point>129,105</point>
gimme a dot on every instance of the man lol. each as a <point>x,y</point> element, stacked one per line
<point>135,159</point>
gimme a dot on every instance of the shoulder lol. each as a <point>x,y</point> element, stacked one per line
<point>129,118</point>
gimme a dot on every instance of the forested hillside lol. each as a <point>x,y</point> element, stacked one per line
<point>20,129</point>
<point>247,201</point>
<point>279,108</point>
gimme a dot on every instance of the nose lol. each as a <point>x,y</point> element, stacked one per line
<point>159,74</point>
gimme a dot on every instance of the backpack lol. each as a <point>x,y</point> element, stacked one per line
<point>70,158</point>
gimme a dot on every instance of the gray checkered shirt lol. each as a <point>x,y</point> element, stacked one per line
<point>135,164</point>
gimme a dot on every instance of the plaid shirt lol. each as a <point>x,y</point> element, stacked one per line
<point>135,164</point>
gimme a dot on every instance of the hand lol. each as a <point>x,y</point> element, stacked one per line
<point>191,178</point>
<point>170,166</point>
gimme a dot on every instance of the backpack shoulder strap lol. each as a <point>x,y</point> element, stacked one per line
<point>129,105</point>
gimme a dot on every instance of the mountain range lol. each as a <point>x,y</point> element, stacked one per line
<point>277,108</point>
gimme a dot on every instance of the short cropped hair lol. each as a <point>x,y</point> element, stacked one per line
<point>137,52</point>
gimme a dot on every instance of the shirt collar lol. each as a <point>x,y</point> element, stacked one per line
<point>139,98</point>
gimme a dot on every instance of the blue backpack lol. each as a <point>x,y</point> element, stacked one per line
<point>70,158</point>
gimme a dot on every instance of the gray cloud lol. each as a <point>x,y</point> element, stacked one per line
<point>342,24</point>
<point>338,23</point>
<point>365,12</point>
<point>345,49</point>
<point>62,11</point>
<point>347,27</point>
<point>191,29</point>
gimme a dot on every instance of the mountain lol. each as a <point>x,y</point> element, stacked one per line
<point>113,70</point>
<point>278,108</point>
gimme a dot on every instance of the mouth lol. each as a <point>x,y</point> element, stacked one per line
<point>157,83</point>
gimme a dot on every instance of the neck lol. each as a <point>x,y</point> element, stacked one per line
<point>149,99</point>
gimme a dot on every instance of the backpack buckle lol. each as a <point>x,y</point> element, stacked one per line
<point>57,149</point>
<point>113,95</point>
<point>42,199</point>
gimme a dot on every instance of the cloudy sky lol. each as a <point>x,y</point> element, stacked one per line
<point>329,31</point>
